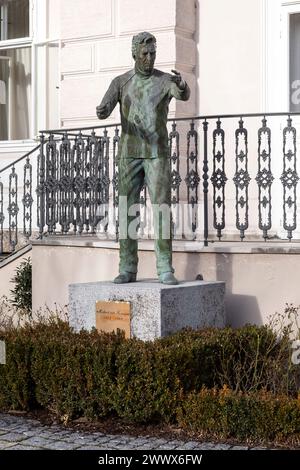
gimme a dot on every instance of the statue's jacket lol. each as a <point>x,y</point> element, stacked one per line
<point>144,105</point>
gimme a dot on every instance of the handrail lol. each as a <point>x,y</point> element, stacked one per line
<point>63,130</point>
<point>189,118</point>
<point>20,159</point>
<point>228,116</point>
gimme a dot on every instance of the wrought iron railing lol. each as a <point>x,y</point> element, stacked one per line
<point>17,186</point>
<point>233,177</point>
<point>239,194</point>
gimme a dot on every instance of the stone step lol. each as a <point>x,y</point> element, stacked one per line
<point>4,255</point>
<point>6,258</point>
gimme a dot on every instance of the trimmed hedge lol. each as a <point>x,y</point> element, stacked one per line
<point>168,380</point>
<point>257,415</point>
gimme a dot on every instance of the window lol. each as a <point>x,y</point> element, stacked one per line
<point>294,72</point>
<point>294,61</point>
<point>14,19</point>
<point>15,70</point>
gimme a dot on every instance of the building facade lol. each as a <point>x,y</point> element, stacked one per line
<point>241,60</point>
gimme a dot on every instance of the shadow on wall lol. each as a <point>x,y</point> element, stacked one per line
<point>240,309</point>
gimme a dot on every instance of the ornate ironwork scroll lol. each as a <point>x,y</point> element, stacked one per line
<point>241,178</point>
<point>115,179</point>
<point>175,175</point>
<point>289,179</point>
<point>92,165</point>
<point>219,179</point>
<point>13,208</point>
<point>205,182</point>
<point>51,184</point>
<point>105,181</point>
<point>104,173</point>
<point>27,199</point>
<point>40,189</point>
<point>192,178</point>
<point>264,179</point>
<point>65,187</point>
<point>79,184</point>
<point>174,163</point>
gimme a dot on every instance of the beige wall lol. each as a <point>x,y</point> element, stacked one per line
<point>257,284</point>
<point>230,48</point>
<point>96,47</point>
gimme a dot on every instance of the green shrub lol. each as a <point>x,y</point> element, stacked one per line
<point>22,292</point>
<point>17,389</point>
<point>147,386</point>
<point>244,359</point>
<point>95,375</point>
<point>254,415</point>
<point>74,373</point>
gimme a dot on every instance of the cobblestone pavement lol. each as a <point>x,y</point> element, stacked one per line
<point>27,434</point>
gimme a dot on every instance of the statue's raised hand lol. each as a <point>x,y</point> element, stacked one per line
<point>102,111</point>
<point>177,78</point>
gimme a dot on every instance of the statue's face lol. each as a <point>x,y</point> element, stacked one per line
<point>145,57</point>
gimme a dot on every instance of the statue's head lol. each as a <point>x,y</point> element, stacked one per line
<point>144,52</point>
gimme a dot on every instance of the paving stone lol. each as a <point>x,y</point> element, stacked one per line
<point>22,447</point>
<point>60,445</point>
<point>220,447</point>
<point>157,441</point>
<point>13,437</point>
<point>261,448</point>
<point>23,428</point>
<point>239,448</point>
<point>212,446</point>
<point>21,433</point>
<point>31,433</point>
<point>93,448</point>
<point>37,441</point>
<point>115,442</point>
<point>177,444</point>
<point>80,442</point>
<point>190,445</point>
<point>9,427</point>
<point>166,447</point>
<point>100,435</point>
<point>5,444</point>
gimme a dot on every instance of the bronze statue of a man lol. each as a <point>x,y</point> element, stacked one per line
<point>144,94</point>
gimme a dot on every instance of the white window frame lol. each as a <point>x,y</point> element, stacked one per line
<point>276,53</point>
<point>276,93</point>
<point>3,9</point>
<point>8,97</point>
<point>39,42</point>
<point>14,44</point>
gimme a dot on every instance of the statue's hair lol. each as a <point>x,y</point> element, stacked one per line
<point>141,38</point>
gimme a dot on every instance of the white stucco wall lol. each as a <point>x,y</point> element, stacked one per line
<point>96,47</point>
<point>230,50</point>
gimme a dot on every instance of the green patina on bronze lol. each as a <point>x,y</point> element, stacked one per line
<point>144,94</point>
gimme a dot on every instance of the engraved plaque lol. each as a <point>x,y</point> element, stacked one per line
<point>112,315</point>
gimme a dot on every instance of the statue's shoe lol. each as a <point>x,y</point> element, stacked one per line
<point>168,278</point>
<point>125,277</point>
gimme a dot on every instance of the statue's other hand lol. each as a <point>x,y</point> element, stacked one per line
<point>102,111</point>
<point>177,78</point>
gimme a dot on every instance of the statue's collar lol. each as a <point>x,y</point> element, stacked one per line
<point>143,75</point>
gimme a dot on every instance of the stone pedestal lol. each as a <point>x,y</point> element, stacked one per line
<point>156,310</point>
